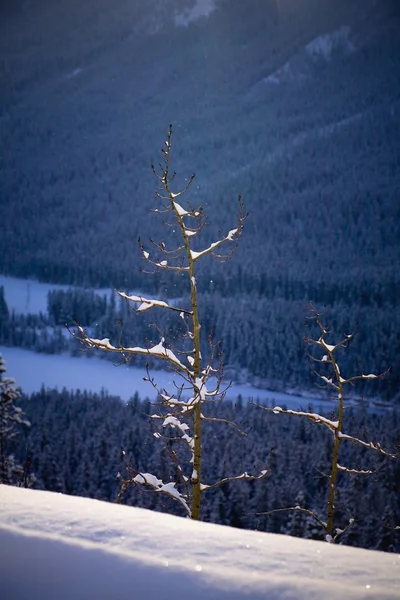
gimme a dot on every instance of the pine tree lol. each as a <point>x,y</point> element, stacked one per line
<point>11,418</point>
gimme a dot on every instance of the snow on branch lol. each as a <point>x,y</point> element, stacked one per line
<point>371,445</point>
<point>180,210</point>
<point>244,476</point>
<point>354,471</point>
<point>159,350</point>
<point>232,236</point>
<point>162,264</point>
<point>147,303</point>
<point>147,479</point>
<point>312,416</point>
<point>174,422</point>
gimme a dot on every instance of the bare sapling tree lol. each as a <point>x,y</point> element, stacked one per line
<point>199,381</point>
<point>333,379</point>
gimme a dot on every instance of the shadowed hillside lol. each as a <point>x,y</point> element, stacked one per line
<point>293,105</point>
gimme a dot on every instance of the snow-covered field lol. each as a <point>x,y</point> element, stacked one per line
<point>26,296</point>
<point>31,370</point>
<point>56,547</point>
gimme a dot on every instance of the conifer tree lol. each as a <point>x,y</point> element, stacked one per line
<point>11,418</point>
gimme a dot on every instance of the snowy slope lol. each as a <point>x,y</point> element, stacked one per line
<point>55,546</point>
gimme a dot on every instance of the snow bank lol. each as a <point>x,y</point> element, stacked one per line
<point>55,546</point>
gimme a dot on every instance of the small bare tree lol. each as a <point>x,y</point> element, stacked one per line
<point>336,381</point>
<point>183,409</point>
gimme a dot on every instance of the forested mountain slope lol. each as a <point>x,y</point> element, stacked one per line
<point>90,88</point>
<point>293,105</point>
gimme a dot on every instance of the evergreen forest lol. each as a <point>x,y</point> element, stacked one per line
<point>75,441</point>
<point>293,105</point>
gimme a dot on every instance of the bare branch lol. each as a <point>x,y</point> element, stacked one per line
<point>298,508</point>
<point>340,532</point>
<point>227,421</point>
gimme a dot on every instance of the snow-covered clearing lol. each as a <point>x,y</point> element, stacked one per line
<point>198,9</point>
<point>56,546</point>
<point>323,47</point>
<point>32,370</point>
<point>27,296</point>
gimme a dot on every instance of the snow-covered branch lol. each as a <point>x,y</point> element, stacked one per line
<point>298,413</point>
<point>147,303</point>
<point>354,471</point>
<point>158,351</point>
<point>147,479</point>
<point>244,476</point>
<point>370,445</point>
<point>233,235</point>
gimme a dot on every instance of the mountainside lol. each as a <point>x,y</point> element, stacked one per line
<point>266,99</point>
<point>293,105</point>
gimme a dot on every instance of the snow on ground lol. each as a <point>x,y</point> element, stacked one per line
<point>199,8</point>
<point>322,47</point>
<point>32,370</point>
<point>67,548</point>
<point>27,296</point>
<point>326,45</point>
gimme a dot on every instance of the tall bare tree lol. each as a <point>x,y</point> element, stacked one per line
<point>199,381</point>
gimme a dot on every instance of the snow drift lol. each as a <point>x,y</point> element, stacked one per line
<point>55,546</point>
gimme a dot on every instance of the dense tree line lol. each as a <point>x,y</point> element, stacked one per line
<point>75,442</point>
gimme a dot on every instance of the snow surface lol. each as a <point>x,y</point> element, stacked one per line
<point>326,45</point>
<point>67,548</point>
<point>322,47</point>
<point>199,8</point>
<point>27,296</point>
